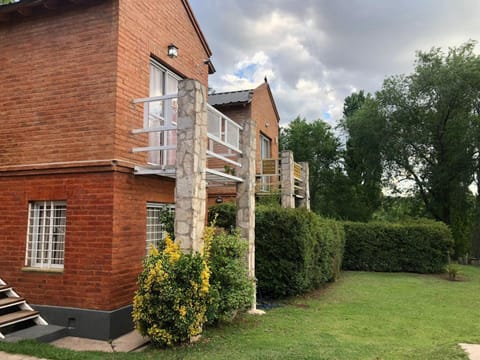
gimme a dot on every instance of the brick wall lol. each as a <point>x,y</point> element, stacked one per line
<point>104,242</point>
<point>66,96</point>
<point>129,223</point>
<point>74,71</point>
<point>58,84</point>
<point>146,28</point>
<point>85,281</point>
<point>263,112</point>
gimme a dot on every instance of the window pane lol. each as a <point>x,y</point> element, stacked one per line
<point>46,234</point>
<point>155,228</point>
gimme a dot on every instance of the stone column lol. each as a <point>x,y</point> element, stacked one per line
<point>287,179</point>
<point>191,161</point>
<point>246,195</point>
<point>305,202</point>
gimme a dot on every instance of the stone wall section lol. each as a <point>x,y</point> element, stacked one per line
<point>190,189</point>
<point>287,179</point>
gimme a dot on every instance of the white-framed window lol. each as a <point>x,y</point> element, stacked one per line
<point>46,234</point>
<point>162,113</point>
<point>265,153</point>
<point>265,147</point>
<point>155,229</point>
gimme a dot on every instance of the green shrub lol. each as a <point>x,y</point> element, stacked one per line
<point>296,251</point>
<point>170,303</point>
<point>421,247</point>
<point>224,215</point>
<point>231,289</point>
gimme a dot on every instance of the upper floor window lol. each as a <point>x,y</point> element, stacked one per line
<point>265,147</point>
<point>46,234</point>
<point>162,113</point>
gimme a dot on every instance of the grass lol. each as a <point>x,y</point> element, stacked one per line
<point>363,316</point>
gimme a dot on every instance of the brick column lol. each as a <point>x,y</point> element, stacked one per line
<point>287,179</point>
<point>191,161</point>
<point>246,195</point>
<point>305,202</point>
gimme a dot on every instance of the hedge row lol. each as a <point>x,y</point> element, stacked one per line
<point>295,250</point>
<point>421,247</point>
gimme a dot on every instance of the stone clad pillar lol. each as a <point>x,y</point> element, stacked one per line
<point>191,161</point>
<point>305,202</point>
<point>246,195</point>
<point>287,179</point>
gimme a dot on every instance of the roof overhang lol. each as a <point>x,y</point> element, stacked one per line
<point>193,19</point>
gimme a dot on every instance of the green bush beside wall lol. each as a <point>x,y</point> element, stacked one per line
<point>420,247</point>
<point>295,250</point>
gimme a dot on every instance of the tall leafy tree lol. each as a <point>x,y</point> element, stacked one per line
<point>430,120</point>
<point>365,128</point>
<point>315,143</point>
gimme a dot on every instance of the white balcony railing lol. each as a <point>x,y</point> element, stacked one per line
<point>223,143</point>
<point>160,123</point>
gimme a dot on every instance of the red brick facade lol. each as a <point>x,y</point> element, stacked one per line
<point>263,110</point>
<point>69,77</point>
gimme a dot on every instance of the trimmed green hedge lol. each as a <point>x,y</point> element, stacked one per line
<point>296,250</point>
<point>420,247</point>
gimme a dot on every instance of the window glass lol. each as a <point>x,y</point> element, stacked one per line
<point>46,234</point>
<point>155,229</point>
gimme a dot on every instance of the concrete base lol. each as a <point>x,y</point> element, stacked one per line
<point>42,333</point>
<point>87,323</point>
<point>472,350</point>
<point>256,312</point>
<point>126,343</point>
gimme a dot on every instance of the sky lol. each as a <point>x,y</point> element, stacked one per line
<point>316,52</point>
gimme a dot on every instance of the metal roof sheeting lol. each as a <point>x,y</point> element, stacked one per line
<point>232,97</point>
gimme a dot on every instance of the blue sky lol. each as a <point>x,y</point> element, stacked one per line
<point>316,54</point>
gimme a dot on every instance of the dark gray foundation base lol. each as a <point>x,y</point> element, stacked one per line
<point>92,324</point>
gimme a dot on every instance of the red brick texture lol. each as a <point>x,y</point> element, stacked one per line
<point>264,113</point>
<point>58,85</point>
<point>146,28</point>
<point>69,77</point>
<point>263,110</point>
<point>105,236</point>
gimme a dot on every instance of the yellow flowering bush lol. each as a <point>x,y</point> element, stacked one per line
<point>171,301</point>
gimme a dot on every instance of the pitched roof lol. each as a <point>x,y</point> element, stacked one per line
<point>231,97</point>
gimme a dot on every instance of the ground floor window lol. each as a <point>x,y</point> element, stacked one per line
<point>46,234</point>
<point>155,227</point>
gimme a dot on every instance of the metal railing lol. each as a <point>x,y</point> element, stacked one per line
<point>223,142</point>
<point>160,123</point>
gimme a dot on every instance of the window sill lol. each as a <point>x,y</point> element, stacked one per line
<point>42,270</point>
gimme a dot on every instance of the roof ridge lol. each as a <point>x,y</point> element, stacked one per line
<point>230,92</point>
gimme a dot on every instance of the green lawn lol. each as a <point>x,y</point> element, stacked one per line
<point>362,316</point>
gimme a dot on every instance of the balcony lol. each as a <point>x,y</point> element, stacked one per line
<point>160,122</point>
<point>269,180</point>
<point>285,178</point>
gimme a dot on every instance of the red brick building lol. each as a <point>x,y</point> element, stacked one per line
<point>256,104</point>
<point>75,218</point>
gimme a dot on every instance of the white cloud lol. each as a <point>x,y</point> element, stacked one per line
<point>316,54</point>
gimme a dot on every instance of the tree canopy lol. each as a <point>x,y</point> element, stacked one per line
<point>421,129</point>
